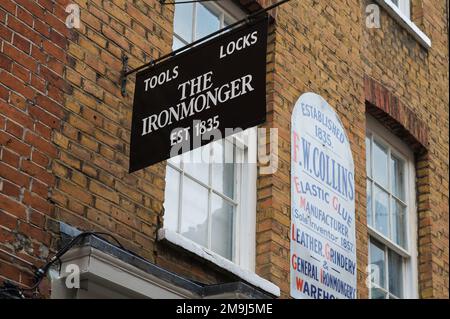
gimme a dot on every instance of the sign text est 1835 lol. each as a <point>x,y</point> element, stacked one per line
<point>184,102</point>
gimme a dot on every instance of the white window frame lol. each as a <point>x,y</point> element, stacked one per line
<point>245,240</point>
<point>409,255</point>
<point>404,20</point>
<point>244,252</point>
<point>226,9</point>
<point>404,6</point>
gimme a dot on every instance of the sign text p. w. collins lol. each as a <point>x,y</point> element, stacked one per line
<point>200,95</point>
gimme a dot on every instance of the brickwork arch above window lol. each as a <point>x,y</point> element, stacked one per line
<point>395,115</point>
<point>400,120</point>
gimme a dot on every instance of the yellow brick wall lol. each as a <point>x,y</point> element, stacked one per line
<point>317,49</point>
<point>93,189</point>
<point>419,78</point>
<point>325,47</point>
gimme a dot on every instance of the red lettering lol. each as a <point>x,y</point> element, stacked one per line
<point>297,184</point>
<point>327,252</point>
<point>302,202</point>
<point>294,261</point>
<point>299,283</point>
<point>335,203</point>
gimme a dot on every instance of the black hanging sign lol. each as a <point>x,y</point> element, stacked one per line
<point>186,101</point>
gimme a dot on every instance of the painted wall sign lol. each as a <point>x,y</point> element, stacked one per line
<point>323,252</point>
<point>183,103</point>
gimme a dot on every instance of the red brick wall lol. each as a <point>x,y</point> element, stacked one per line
<point>33,58</point>
<point>314,52</point>
<point>327,49</point>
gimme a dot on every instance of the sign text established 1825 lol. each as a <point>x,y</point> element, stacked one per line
<point>200,95</point>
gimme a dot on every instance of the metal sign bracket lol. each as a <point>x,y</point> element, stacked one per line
<point>123,77</point>
<point>249,18</point>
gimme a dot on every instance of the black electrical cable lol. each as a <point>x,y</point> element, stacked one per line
<point>42,271</point>
<point>12,290</point>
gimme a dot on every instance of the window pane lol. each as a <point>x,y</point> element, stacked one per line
<point>196,163</point>
<point>399,223</point>
<point>175,161</point>
<point>171,199</point>
<point>381,211</point>
<point>377,264</point>
<point>369,203</point>
<point>397,177</point>
<point>404,6</point>
<point>222,214</point>
<point>395,271</point>
<point>223,168</point>
<point>182,21</point>
<point>368,159</point>
<point>177,44</point>
<point>376,293</point>
<point>227,20</point>
<point>194,220</point>
<point>380,164</point>
<point>207,22</point>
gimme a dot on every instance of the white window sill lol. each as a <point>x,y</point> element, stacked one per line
<point>246,275</point>
<point>404,21</point>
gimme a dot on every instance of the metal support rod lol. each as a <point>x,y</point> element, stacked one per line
<point>246,20</point>
<point>123,76</point>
